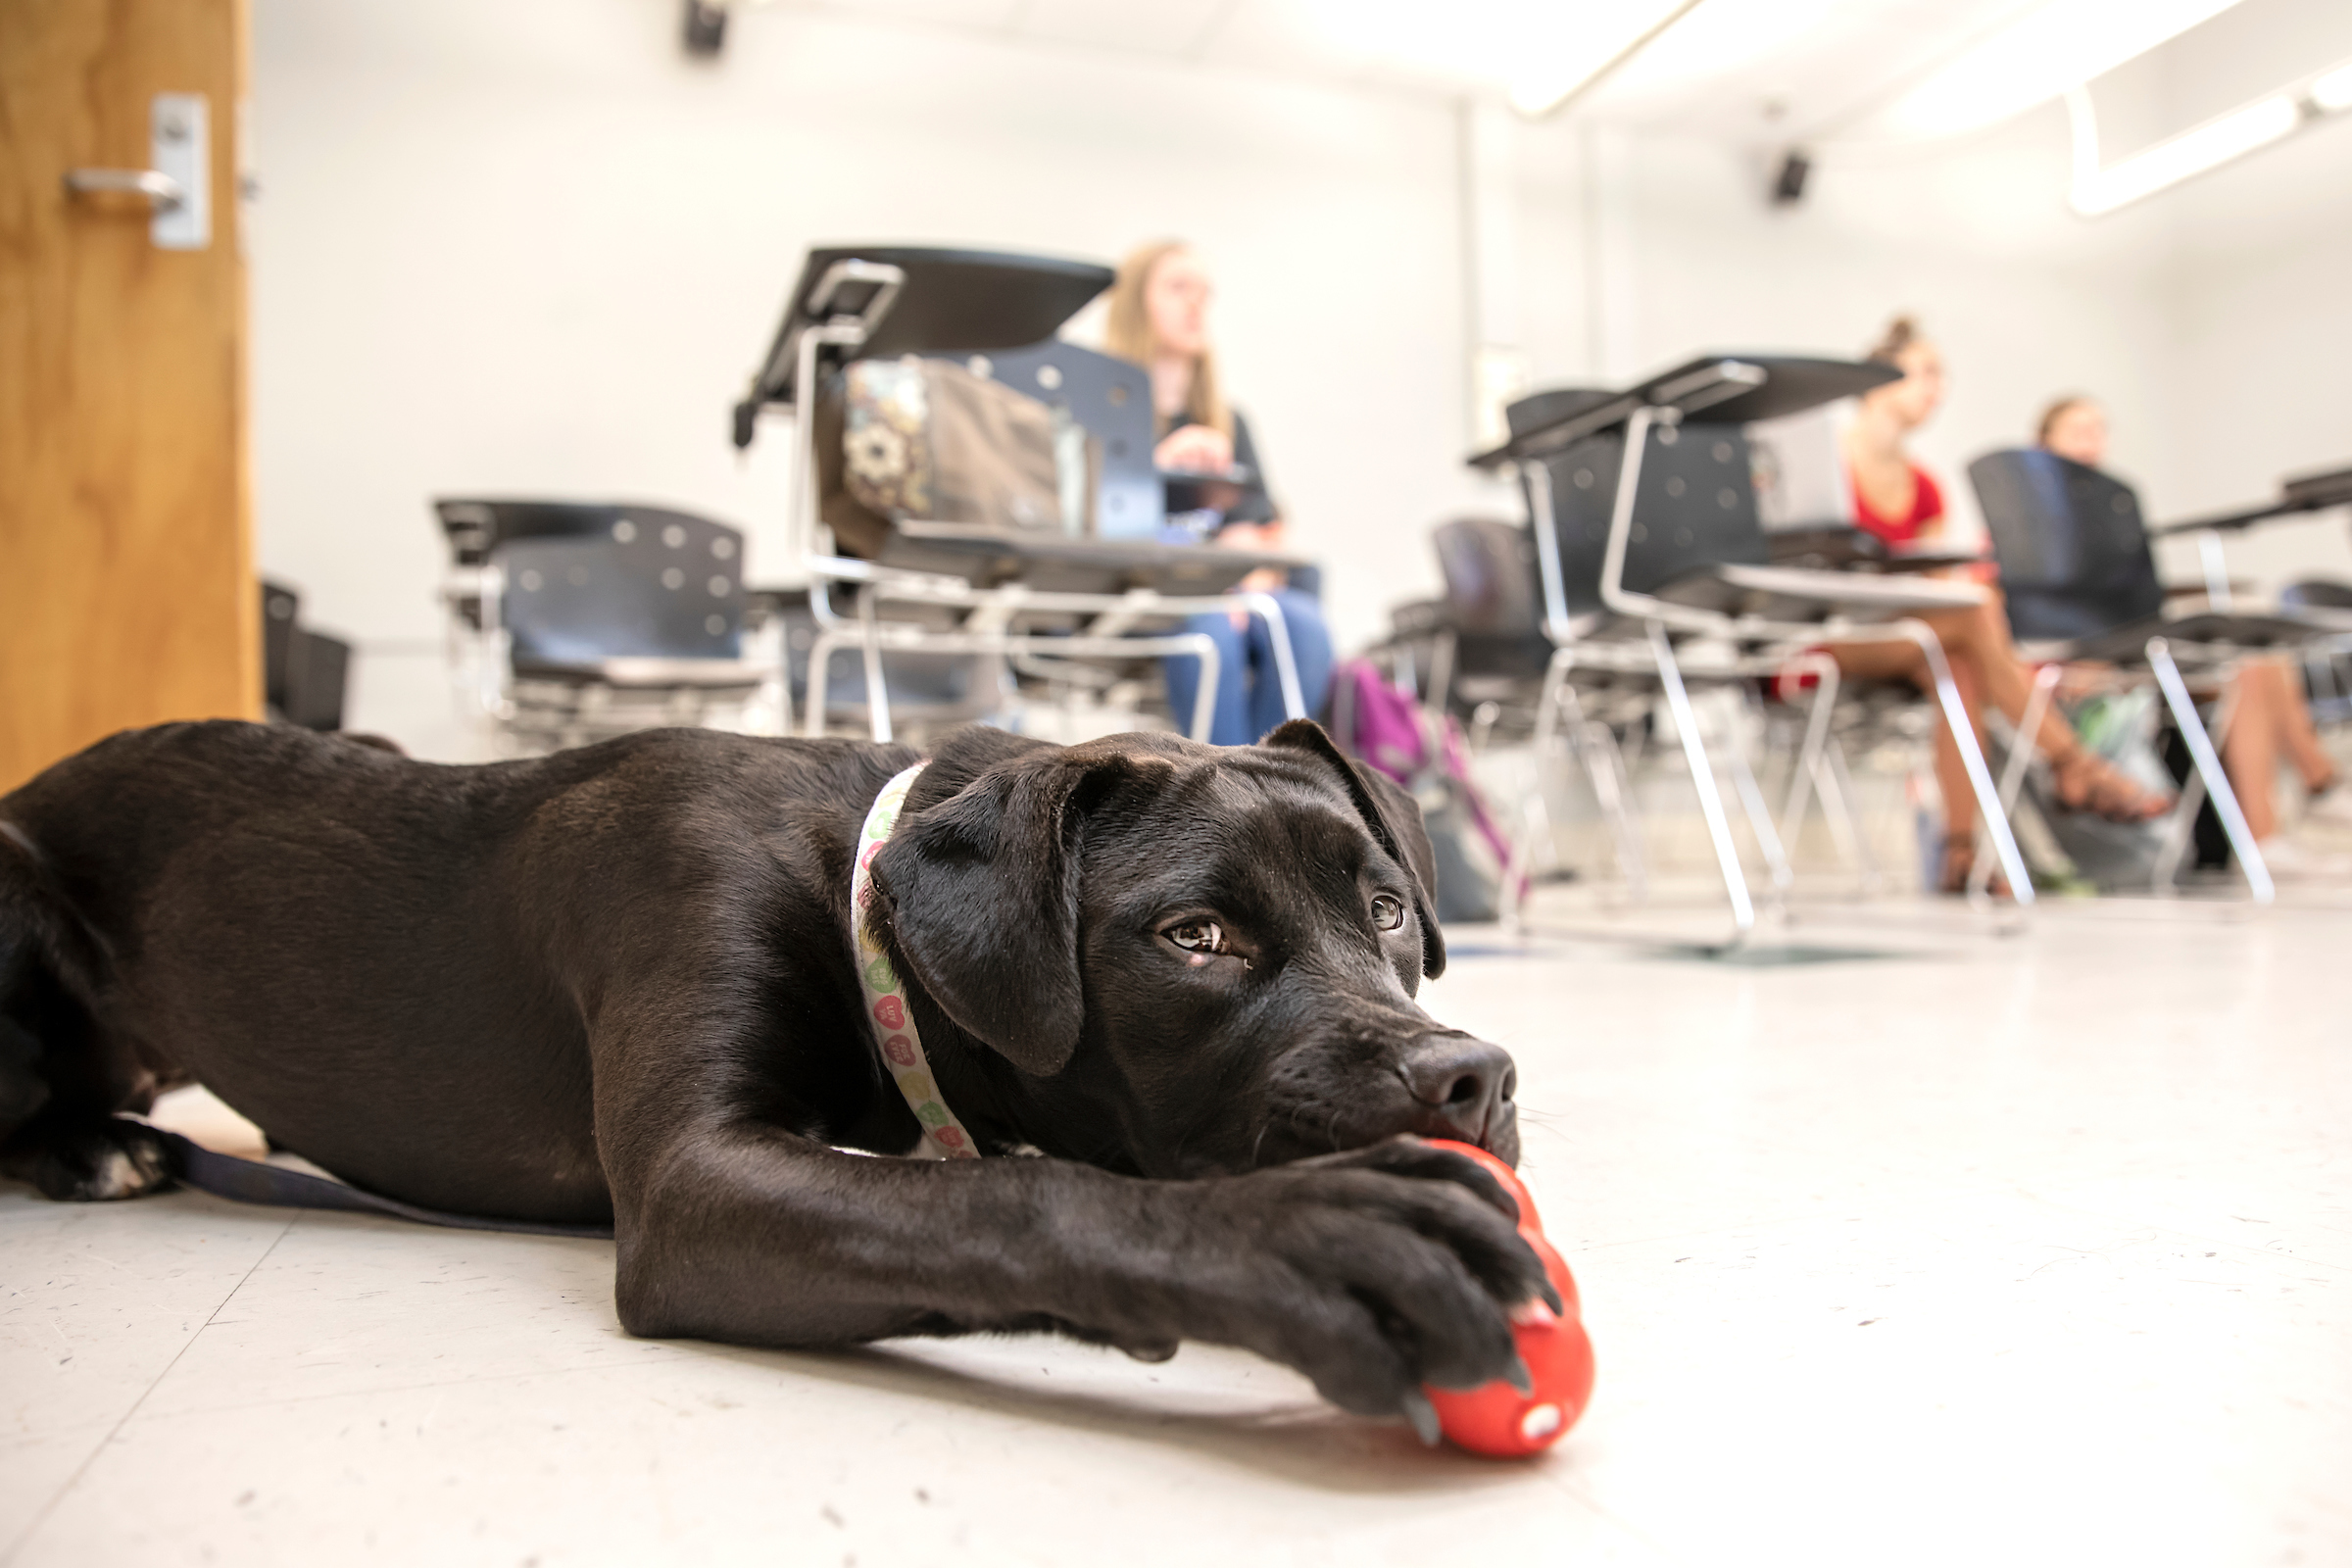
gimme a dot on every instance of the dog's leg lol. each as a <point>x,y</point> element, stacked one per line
<point>1371,1272</point>
<point>60,1086</point>
<point>78,1159</point>
<point>66,1139</point>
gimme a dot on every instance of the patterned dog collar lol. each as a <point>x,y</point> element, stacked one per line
<point>944,1137</point>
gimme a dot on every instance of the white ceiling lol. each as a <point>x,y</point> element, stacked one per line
<point>1762,69</point>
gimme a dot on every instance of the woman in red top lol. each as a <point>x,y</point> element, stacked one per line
<point>1897,500</point>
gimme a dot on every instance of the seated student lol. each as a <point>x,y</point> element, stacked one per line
<point>1900,501</point>
<point>1160,319</point>
<point>2271,715</point>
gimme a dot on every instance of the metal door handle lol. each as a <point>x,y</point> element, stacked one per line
<point>158,187</point>
<point>177,180</point>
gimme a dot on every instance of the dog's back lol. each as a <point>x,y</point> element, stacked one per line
<point>347,929</point>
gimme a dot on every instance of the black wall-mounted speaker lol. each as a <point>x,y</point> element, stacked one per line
<point>1789,185</point>
<point>706,28</point>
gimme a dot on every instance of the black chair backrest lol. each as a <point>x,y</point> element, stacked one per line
<point>2072,546</point>
<point>1492,585</point>
<point>2316,593</point>
<point>652,584</point>
<point>1695,508</point>
<point>476,527</point>
<point>1110,399</point>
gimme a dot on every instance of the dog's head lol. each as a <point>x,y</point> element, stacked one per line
<point>1182,960</point>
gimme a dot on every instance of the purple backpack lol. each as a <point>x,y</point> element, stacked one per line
<point>1387,729</point>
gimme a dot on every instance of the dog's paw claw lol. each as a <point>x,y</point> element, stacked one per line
<point>1423,1416</point>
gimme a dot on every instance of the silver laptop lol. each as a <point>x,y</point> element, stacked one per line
<point>1801,473</point>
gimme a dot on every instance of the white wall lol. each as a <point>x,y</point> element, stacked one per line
<point>529,248</point>
<point>2259,390</point>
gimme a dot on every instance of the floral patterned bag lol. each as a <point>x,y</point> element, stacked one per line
<point>926,440</point>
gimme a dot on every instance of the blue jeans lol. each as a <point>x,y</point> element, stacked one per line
<point>1249,700</point>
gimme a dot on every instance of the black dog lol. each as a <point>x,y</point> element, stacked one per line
<point>620,983</point>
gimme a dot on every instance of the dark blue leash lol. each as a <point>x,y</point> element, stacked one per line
<point>249,1181</point>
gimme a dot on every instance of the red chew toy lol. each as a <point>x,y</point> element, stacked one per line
<point>1497,1420</point>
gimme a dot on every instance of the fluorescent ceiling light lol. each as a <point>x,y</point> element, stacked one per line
<point>2193,152</point>
<point>2333,91</point>
<point>2062,45</point>
<point>1541,86</point>
<point>1726,36</point>
<point>1541,52</point>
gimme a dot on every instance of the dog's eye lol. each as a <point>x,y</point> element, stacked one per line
<point>1198,935</point>
<point>1387,914</point>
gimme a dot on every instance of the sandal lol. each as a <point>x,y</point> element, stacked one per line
<point>2084,781</point>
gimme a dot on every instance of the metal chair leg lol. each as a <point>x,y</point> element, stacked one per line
<point>1802,777</point>
<point>1836,786</point>
<point>877,691</point>
<point>1613,787</point>
<point>2209,767</point>
<point>1702,777</point>
<point>1995,821</point>
<point>1268,609</point>
<point>1817,771</point>
<point>1441,675</point>
<point>1204,699</point>
<point>2020,758</point>
<point>2179,829</point>
<point>1760,817</point>
<point>827,642</point>
<point>1596,749</point>
<point>1530,803</point>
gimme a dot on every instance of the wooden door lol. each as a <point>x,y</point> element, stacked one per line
<point>126,585</point>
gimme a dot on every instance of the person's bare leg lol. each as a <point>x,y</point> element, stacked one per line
<point>1903,661</point>
<point>2298,733</point>
<point>1979,639</point>
<point>2250,751</point>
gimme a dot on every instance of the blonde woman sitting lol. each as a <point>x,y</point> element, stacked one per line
<point>1160,319</point>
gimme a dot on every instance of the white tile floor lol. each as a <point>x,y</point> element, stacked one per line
<point>2034,1250</point>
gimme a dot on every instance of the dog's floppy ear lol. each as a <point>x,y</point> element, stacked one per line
<point>1395,819</point>
<point>980,892</point>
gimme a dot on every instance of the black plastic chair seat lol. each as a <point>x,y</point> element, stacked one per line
<point>647,674</point>
<point>2209,635</point>
<point>2316,594</point>
<point>1841,547</point>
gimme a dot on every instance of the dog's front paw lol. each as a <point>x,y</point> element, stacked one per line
<point>1372,1272</point>
<point>89,1162</point>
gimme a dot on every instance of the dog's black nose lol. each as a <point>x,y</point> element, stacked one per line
<point>1465,1084</point>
